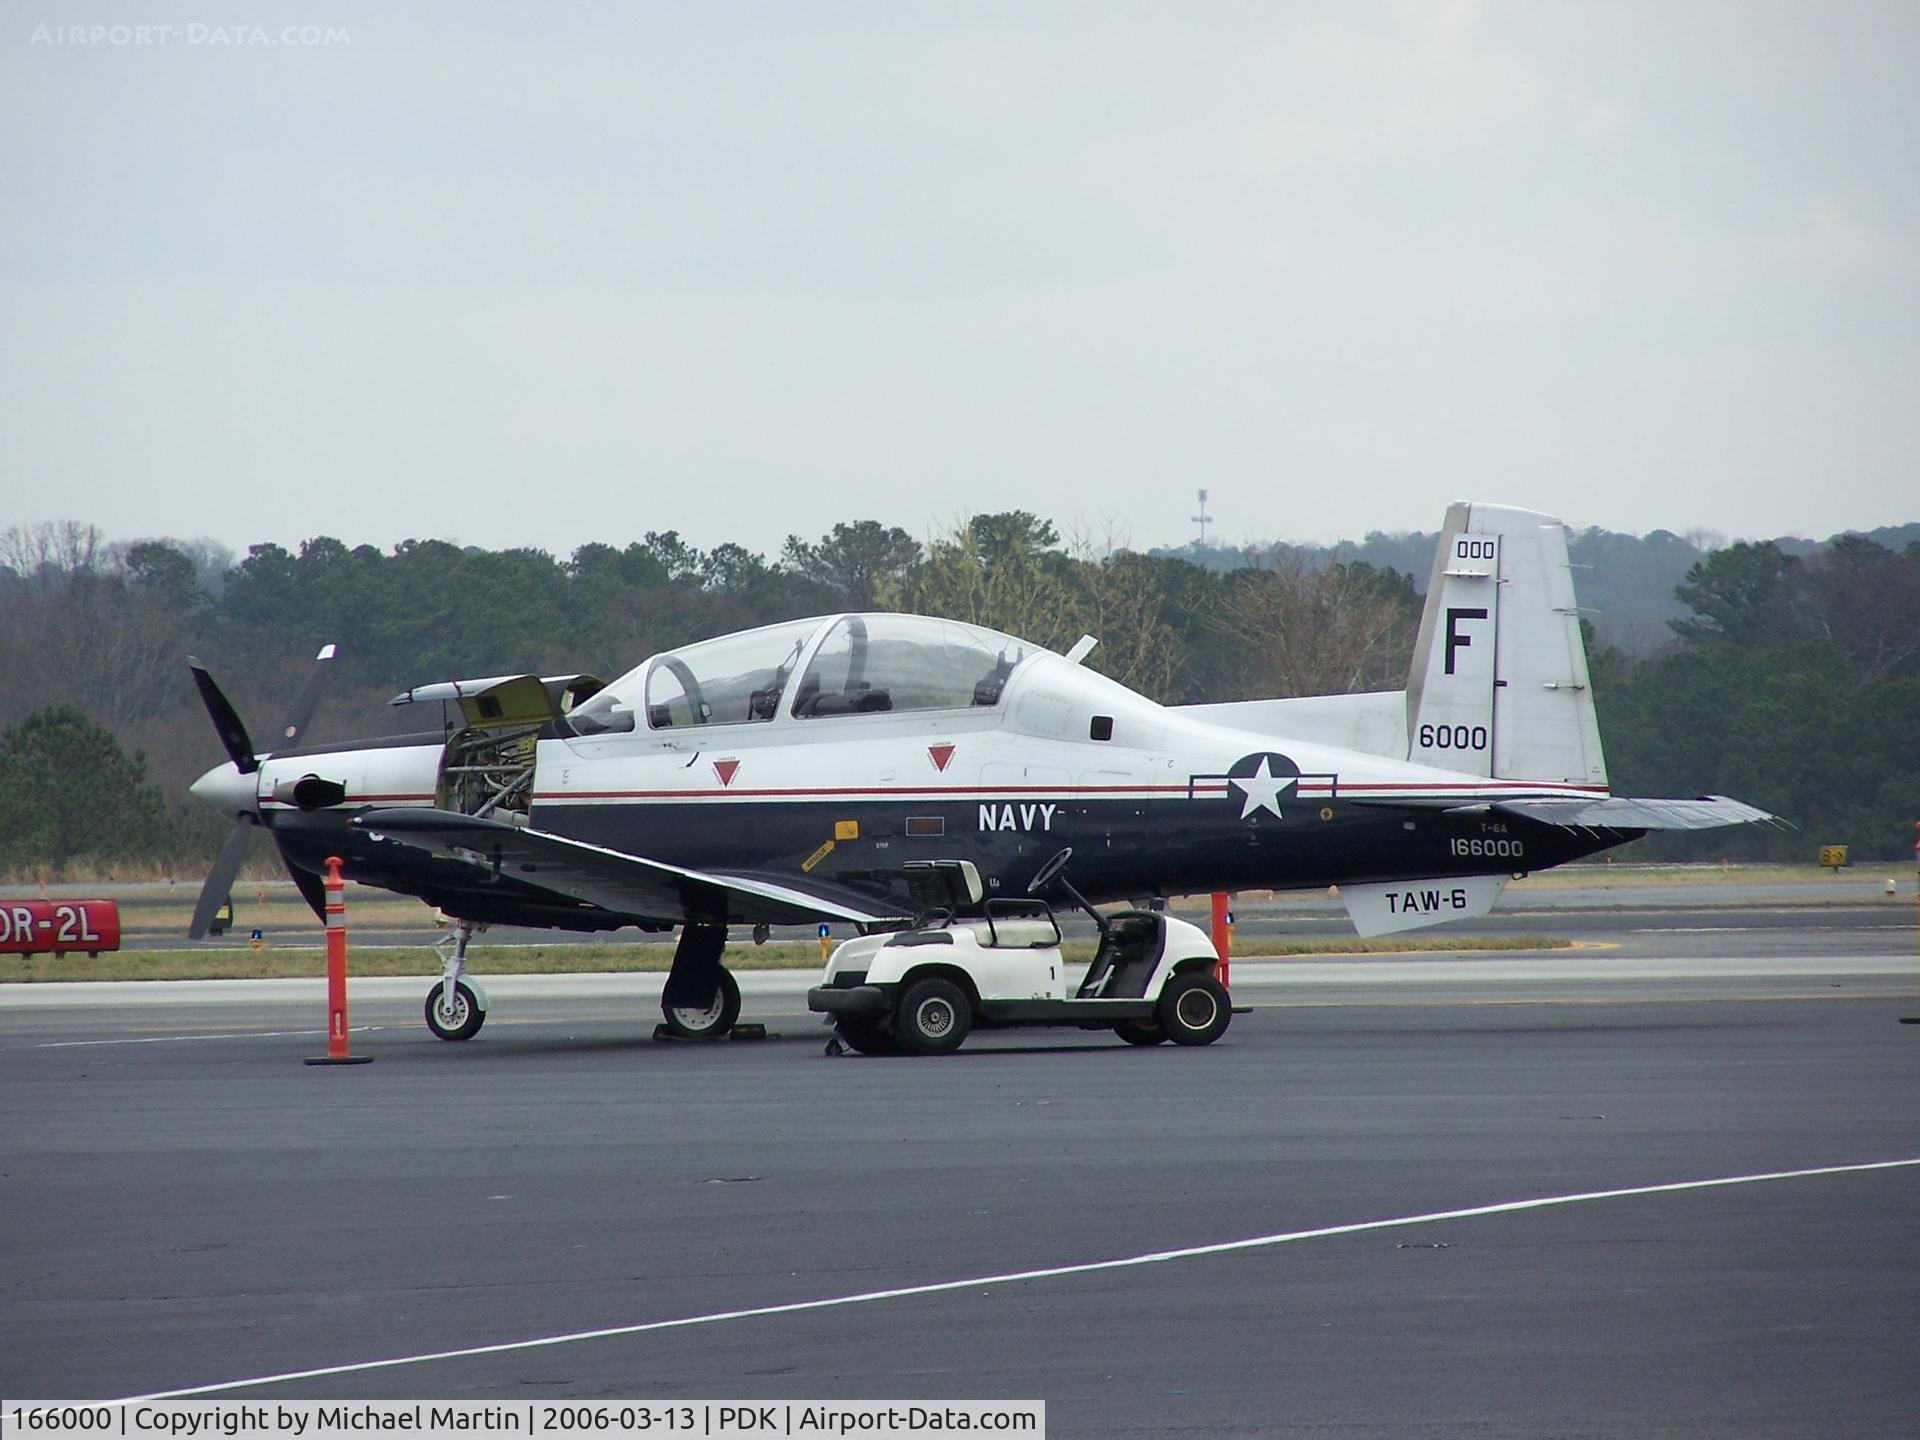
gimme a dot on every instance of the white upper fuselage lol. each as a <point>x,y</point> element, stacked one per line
<point>1033,746</point>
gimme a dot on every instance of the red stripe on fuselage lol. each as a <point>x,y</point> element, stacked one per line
<point>358,800</point>
<point>1210,788</point>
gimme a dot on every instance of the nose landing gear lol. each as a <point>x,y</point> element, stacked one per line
<point>455,1009</point>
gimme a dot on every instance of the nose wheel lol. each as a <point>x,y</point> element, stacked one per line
<point>455,1010</point>
<point>457,1016</point>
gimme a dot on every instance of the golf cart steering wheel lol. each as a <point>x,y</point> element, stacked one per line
<point>1049,872</point>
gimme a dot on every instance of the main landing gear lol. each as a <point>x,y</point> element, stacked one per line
<point>701,999</point>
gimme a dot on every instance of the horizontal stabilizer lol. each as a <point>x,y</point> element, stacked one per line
<point>618,882</point>
<point>1411,904</point>
<point>1621,813</point>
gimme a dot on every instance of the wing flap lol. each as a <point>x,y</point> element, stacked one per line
<point>622,883</point>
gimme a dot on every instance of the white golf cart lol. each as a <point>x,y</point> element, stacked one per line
<point>924,989</point>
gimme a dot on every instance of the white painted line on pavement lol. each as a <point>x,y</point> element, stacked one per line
<point>1053,1272</point>
<point>173,1039</point>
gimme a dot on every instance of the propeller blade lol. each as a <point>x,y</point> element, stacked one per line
<point>300,713</point>
<point>219,884</point>
<point>226,720</point>
<point>312,888</point>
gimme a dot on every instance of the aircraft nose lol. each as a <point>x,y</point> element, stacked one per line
<point>225,789</point>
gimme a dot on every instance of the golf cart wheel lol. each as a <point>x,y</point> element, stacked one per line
<point>933,1018</point>
<point>1140,1032</point>
<point>867,1039</point>
<point>710,1021</point>
<point>1194,1009</point>
<point>460,1020</point>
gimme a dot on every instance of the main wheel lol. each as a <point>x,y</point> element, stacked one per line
<point>707,1022</point>
<point>933,1018</point>
<point>1140,1032</point>
<point>460,1020</point>
<point>1194,1008</point>
<point>868,1039</point>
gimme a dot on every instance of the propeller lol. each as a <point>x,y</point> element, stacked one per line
<point>224,788</point>
<point>226,719</point>
<point>219,882</point>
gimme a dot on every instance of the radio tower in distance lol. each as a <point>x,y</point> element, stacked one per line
<point>1201,520</point>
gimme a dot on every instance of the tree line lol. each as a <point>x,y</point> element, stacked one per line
<point>1791,680</point>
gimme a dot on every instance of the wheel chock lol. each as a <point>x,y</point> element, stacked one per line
<point>749,1031</point>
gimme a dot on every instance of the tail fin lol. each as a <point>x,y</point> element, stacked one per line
<point>1499,683</point>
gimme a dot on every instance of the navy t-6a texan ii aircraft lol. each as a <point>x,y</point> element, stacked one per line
<point>816,770</point>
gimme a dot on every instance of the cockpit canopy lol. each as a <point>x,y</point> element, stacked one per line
<point>843,665</point>
<point>871,663</point>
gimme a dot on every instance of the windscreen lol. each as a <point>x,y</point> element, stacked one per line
<point>731,680</point>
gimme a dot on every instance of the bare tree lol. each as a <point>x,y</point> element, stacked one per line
<point>74,630</point>
<point>1337,630</point>
<point>1120,600</point>
<point>52,552</point>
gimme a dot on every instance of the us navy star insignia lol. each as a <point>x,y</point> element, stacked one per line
<point>1262,789</point>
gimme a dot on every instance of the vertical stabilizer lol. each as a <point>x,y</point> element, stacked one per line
<point>1499,684</point>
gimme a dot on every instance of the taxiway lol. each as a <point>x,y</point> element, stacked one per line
<point>562,1207</point>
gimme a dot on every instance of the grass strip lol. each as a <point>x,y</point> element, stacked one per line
<point>282,964</point>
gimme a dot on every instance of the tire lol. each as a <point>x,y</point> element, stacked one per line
<point>1194,1008</point>
<point>711,1022</point>
<point>867,1039</point>
<point>461,1021</point>
<point>1140,1032</point>
<point>933,1018</point>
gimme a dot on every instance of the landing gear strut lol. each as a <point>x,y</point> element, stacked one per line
<point>701,999</point>
<point>455,1009</point>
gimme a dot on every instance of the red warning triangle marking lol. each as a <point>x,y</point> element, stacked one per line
<point>724,769</point>
<point>940,755</point>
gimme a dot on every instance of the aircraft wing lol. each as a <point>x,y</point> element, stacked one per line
<point>619,882</point>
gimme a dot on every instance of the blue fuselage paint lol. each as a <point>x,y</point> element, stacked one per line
<point>1121,848</point>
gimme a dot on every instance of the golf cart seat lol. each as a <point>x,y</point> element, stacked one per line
<point>1024,932</point>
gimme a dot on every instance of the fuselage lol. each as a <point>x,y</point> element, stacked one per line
<point>1165,804</point>
<point>1152,801</point>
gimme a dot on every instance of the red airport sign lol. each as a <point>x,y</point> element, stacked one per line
<point>27,926</point>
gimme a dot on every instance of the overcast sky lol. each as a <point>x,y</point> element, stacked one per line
<point>528,275</point>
